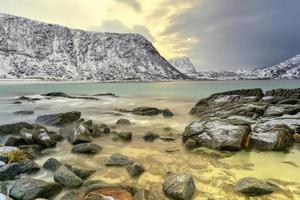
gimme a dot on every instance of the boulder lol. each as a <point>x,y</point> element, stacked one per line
<point>14,128</point>
<point>118,159</point>
<point>52,164</point>
<point>27,135</point>
<point>28,166</point>
<point>285,93</point>
<point>124,135</point>
<point>9,171</point>
<point>89,148</point>
<point>42,137</point>
<point>167,113</point>
<point>123,122</point>
<point>67,178</point>
<point>253,187</point>
<point>99,129</point>
<point>279,137</point>
<point>146,111</point>
<point>150,136</point>
<point>135,169</point>
<point>179,187</point>
<point>28,189</point>
<point>217,134</point>
<point>59,119</point>
<point>80,172</point>
<point>80,134</point>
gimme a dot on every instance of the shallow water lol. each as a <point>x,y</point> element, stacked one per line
<point>214,173</point>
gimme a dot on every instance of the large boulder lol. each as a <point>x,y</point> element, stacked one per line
<point>67,178</point>
<point>14,128</point>
<point>118,159</point>
<point>28,189</point>
<point>217,134</point>
<point>179,187</point>
<point>146,111</point>
<point>253,187</point>
<point>59,119</point>
<point>42,137</point>
<point>80,134</point>
<point>9,171</point>
<point>275,137</point>
<point>285,93</point>
<point>89,148</point>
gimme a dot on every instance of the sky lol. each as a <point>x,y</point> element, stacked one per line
<point>214,34</point>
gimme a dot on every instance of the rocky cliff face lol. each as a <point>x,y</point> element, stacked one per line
<point>184,65</point>
<point>31,49</point>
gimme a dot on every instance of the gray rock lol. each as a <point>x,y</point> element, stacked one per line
<point>24,112</point>
<point>59,119</point>
<point>167,113</point>
<point>28,166</point>
<point>67,178</point>
<point>118,159</point>
<point>42,137</point>
<point>80,172</point>
<point>123,122</point>
<point>135,169</point>
<point>28,189</point>
<point>9,172</point>
<point>277,138</point>
<point>52,164</point>
<point>14,128</point>
<point>27,135</point>
<point>73,195</point>
<point>99,129</point>
<point>150,136</point>
<point>179,187</point>
<point>15,142</point>
<point>217,134</point>
<point>80,134</point>
<point>146,111</point>
<point>4,197</point>
<point>253,187</point>
<point>89,148</point>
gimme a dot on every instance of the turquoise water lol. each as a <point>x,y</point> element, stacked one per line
<point>195,89</point>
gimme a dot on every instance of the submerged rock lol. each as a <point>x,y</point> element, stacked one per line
<point>27,189</point>
<point>150,136</point>
<point>253,187</point>
<point>124,135</point>
<point>24,112</point>
<point>9,171</point>
<point>59,119</point>
<point>118,159</point>
<point>167,113</point>
<point>123,122</point>
<point>52,164</point>
<point>89,148</point>
<point>80,172</point>
<point>146,111</point>
<point>67,179</point>
<point>135,169</point>
<point>179,187</point>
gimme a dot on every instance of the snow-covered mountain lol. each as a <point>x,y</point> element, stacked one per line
<point>32,49</point>
<point>289,69</point>
<point>184,65</point>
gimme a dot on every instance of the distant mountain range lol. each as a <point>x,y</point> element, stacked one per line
<point>32,49</point>
<point>289,69</point>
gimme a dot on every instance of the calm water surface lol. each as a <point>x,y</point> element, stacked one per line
<point>214,173</point>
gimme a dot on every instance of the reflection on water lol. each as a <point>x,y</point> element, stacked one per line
<point>215,173</point>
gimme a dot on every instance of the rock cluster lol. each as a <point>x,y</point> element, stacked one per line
<point>243,119</point>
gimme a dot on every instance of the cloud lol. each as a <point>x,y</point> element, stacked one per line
<point>118,27</point>
<point>133,4</point>
<point>239,34</point>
